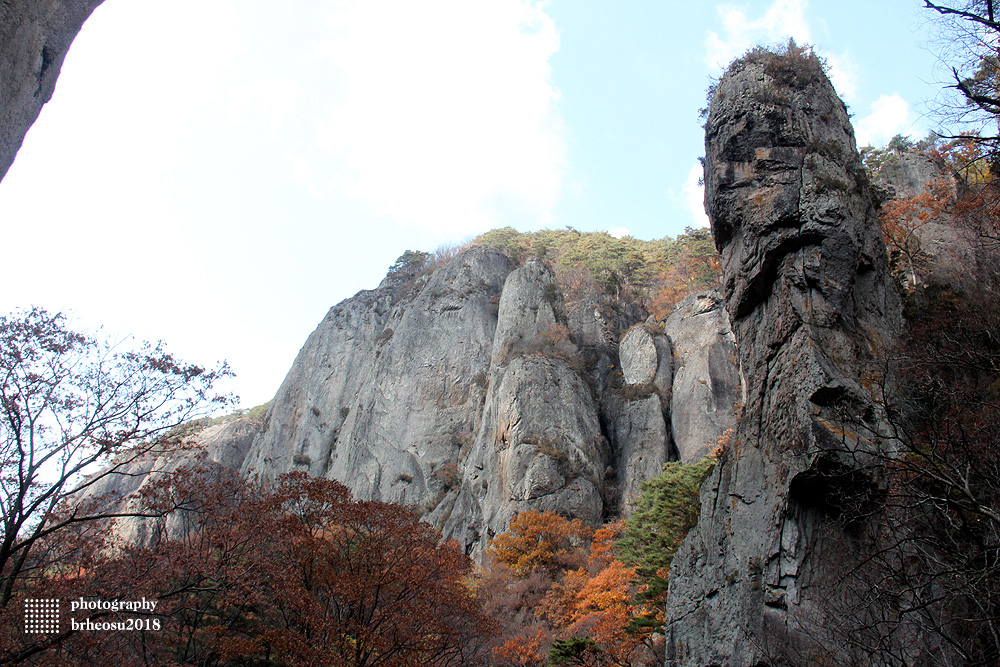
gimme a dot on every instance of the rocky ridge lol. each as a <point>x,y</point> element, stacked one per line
<point>475,391</point>
<point>472,391</point>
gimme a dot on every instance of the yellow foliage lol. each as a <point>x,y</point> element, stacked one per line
<point>537,540</point>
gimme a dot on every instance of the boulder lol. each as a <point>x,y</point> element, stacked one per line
<point>639,357</point>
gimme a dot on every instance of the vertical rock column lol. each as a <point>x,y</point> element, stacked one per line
<point>807,290</point>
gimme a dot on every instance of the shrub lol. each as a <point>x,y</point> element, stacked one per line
<point>383,337</point>
<point>448,476</point>
<point>790,65</point>
<point>637,392</point>
<point>410,261</point>
<point>666,510</point>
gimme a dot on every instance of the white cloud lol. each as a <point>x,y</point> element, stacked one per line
<point>694,196</point>
<point>890,115</point>
<point>277,98</point>
<point>783,19</point>
<point>619,232</point>
<point>447,117</point>
<point>843,72</point>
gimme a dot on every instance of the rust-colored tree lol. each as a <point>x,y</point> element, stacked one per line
<point>563,597</point>
<point>902,221</point>
<point>540,540</point>
<point>295,574</point>
<point>68,401</point>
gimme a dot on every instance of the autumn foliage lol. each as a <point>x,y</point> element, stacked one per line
<point>562,596</point>
<point>293,574</point>
<point>656,273</point>
<point>902,221</point>
<point>933,558</point>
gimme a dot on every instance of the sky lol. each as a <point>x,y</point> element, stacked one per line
<point>219,173</point>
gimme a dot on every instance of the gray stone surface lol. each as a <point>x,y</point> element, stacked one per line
<point>945,250</point>
<point>468,392</point>
<point>706,385</point>
<point>540,448</point>
<point>640,438</point>
<point>540,445</point>
<point>664,377</point>
<point>388,390</point>
<point>530,311</point>
<point>911,173</point>
<point>811,309</point>
<point>119,486</point>
<point>638,356</point>
<point>34,38</point>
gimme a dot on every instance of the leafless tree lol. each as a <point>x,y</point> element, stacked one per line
<point>69,403</point>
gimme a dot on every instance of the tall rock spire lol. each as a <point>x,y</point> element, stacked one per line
<point>812,309</point>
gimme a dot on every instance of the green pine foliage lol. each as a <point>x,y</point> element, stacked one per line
<point>410,261</point>
<point>667,509</point>
<point>572,651</point>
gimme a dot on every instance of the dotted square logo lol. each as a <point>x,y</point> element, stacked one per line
<point>41,616</point>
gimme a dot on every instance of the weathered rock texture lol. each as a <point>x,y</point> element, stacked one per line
<point>222,445</point>
<point>944,250</point>
<point>467,392</point>
<point>909,174</point>
<point>34,38</point>
<point>474,392</point>
<point>388,390</point>
<point>539,445</point>
<point>707,392</point>
<point>811,306</point>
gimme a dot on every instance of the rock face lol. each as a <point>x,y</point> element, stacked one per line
<point>909,174</point>
<point>387,392</point>
<point>943,249</point>
<point>34,38</point>
<point>221,445</point>
<point>639,356</point>
<point>811,306</point>
<point>539,445</point>
<point>707,390</point>
<point>474,392</point>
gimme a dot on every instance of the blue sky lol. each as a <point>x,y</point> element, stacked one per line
<point>218,173</point>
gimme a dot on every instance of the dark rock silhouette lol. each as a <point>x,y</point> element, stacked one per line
<point>812,309</point>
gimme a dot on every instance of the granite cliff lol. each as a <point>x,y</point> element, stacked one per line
<point>474,391</point>
<point>471,392</point>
